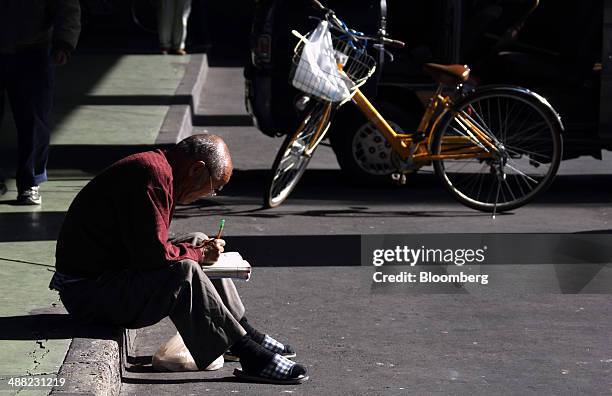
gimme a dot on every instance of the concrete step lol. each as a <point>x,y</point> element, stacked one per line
<point>222,99</point>
<point>117,99</point>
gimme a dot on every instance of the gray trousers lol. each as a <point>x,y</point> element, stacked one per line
<point>205,312</point>
<point>172,23</point>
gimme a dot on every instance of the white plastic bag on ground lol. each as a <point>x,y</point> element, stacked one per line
<point>317,71</point>
<point>173,355</point>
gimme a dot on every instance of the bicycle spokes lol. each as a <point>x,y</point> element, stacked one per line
<point>497,150</point>
<point>295,153</point>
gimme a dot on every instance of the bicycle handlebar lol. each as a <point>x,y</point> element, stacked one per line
<point>384,40</point>
<point>393,43</point>
<point>317,4</point>
<point>341,26</point>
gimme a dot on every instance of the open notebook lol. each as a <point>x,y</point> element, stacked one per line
<point>229,265</point>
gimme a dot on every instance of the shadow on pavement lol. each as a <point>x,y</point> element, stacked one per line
<point>90,158</point>
<point>320,187</point>
<point>573,279</point>
<point>350,212</point>
<point>30,226</point>
<point>323,184</point>
<point>50,327</point>
<point>327,184</point>
<point>135,100</point>
<point>307,250</point>
<point>176,380</point>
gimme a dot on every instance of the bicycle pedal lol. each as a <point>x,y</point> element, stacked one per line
<point>398,178</point>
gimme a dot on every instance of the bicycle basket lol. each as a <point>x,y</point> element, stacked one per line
<point>329,64</point>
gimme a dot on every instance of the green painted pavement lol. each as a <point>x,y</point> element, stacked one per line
<point>24,279</point>
<point>57,193</point>
<point>98,101</point>
<point>109,81</point>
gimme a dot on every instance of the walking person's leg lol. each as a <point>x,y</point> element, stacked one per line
<point>165,18</point>
<point>30,95</point>
<point>3,79</point>
<point>179,31</point>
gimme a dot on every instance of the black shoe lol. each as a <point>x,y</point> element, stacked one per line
<point>280,371</point>
<point>271,345</point>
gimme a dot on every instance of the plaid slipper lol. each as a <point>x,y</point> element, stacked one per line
<point>279,371</point>
<point>270,344</point>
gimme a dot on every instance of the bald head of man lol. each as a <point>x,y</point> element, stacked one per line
<point>201,166</point>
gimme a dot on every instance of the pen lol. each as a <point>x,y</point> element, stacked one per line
<point>221,226</point>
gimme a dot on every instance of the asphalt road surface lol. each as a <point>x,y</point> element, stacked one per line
<point>520,334</point>
<point>357,339</point>
<point>326,204</point>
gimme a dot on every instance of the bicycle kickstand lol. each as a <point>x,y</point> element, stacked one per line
<point>496,199</point>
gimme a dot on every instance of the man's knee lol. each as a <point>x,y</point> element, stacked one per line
<point>199,237</point>
<point>183,274</point>
<point>186,268</point>
<point>195,238</point>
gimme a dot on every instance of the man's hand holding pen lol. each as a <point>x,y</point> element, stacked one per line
<point>211,250</point>
<point>213,247</point>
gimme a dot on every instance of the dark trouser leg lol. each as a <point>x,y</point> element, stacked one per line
<point>229,295</point>
<point>30,96</point>
<point>5,61</point>
<point>215,319</point>
<point>2,94</point>
<point>182,9</point>
<point>165,17</point>
<point>137,299</point>
<point>225,287</point>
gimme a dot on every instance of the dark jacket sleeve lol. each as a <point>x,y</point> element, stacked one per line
<point>145,223</point>
<point>67,24</point>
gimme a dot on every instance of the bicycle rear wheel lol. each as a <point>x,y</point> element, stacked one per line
<point>294,154</point>
<point>527,135</point>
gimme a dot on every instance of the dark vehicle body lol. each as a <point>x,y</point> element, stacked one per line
<point>563,51</point>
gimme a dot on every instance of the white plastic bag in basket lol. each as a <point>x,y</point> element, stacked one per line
<point>173,355</point>
<point>317,72</point>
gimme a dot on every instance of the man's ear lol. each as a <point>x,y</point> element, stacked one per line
<point>197,171</point>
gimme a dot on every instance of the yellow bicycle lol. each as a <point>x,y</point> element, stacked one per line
<point>495,148</point>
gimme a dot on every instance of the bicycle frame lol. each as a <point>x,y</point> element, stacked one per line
<point>321,130</point>
<point>479,143</point>
<point>476,143</point>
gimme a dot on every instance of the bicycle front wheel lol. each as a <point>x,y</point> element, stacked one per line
<point>526,134</point>
<point>295,153</point>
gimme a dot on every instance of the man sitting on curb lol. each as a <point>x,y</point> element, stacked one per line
<point>115,264</point>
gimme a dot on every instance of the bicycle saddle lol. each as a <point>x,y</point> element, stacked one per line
<point>447,74</point>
